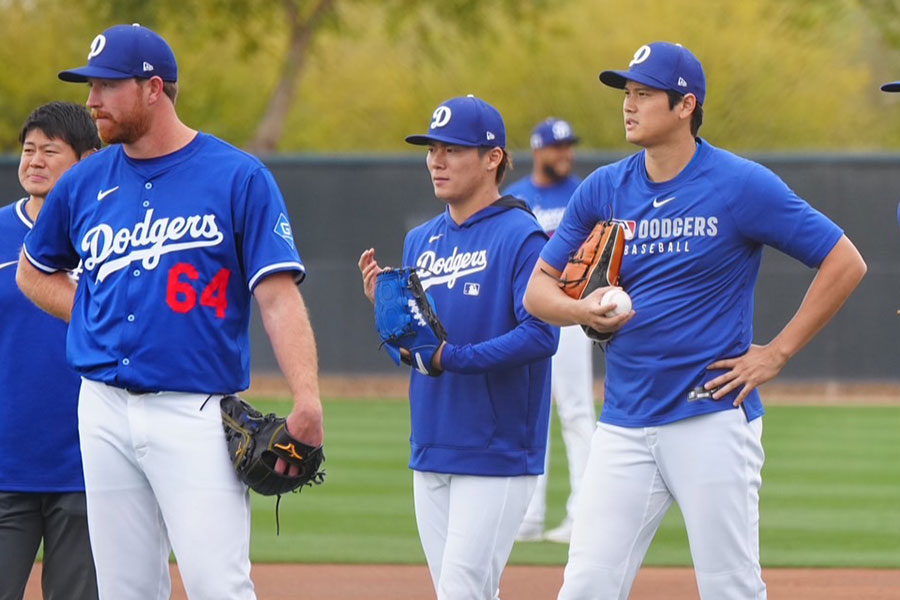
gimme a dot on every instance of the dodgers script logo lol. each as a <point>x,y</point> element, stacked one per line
<point>434,270</point>
<point>147,241</point>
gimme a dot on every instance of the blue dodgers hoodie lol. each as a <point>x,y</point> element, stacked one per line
<point>488,413</point>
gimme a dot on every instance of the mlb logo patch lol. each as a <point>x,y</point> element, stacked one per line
<point>630,227</point>
<point>283,230</point>
<point>471,289</point>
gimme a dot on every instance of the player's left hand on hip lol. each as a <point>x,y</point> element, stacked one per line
<point>759,365</point>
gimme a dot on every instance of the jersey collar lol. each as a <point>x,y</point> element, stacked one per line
<point>22,214</point>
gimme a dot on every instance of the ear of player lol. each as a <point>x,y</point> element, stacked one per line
<point>255,441</point>
<point>406,320</point>
<point>594,265</point>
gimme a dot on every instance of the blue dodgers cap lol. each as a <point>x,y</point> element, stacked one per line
<point>464,121</point>
<point>552,132</point>
<point>893,86</point>
<point>126,51</point>
<point>663,66</point>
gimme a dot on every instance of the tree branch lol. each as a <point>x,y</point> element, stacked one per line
<point>302,31</point>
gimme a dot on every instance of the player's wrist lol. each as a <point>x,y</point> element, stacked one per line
<point>437,359</point>
<point>779,353</point>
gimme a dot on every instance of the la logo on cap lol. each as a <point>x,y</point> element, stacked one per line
<point>561,130</point>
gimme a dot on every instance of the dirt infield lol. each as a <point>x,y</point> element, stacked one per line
<point>813,393</point>
<point>391,582</point>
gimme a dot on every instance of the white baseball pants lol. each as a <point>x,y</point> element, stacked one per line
<point>158,478</point>
<point>572,382</point>
<point>710,465</point>
<point>467,525</point>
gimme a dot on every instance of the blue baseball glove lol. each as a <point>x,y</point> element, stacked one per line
<point>405,319</point>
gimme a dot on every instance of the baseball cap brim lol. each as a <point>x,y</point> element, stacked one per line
<point>893,86</point>
<point>572,139</point>
<point>82,74</point>
<point>618,79</point>
<point>425,140</point>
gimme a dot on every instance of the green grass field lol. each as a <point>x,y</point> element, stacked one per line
<point>830,496</point>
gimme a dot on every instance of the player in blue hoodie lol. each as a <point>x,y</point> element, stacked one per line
<point>479,430</point>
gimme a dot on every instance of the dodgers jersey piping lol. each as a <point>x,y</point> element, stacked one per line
<point>488,413</point>
<point>39,393</point>
<point>187,329</point>
<point>692,255</point>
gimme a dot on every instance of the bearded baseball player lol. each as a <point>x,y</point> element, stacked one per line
<point>479,429</point>
<point>177,231</point>
<point>682,418</point>
<point>41,482</point>
<point>547,191</point>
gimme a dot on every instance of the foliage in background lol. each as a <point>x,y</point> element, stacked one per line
<point>782,75</point>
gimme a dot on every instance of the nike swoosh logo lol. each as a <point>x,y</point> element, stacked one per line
<point>103,194</point>
<point>8,264</point>
<point>435,238</point>
<point>657,202</point>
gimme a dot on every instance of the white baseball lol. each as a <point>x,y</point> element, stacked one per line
<point>620,299</point>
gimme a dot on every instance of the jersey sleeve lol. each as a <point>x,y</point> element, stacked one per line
<point>769,212</point>
<point>579,219</point>
<point>530,340</point>
<point>47,246</point>
<point>265,238</point>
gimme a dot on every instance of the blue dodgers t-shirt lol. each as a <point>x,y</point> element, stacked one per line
<point>692,256</point>
<point>172,249</point>
<point>548,203</point>
<point>38,391</point>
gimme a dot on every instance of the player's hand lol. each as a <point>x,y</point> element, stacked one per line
<point>593,313</point>
<point>759,365</point>
<point>370,270</point>
<point>406,357</point>
<point>304,424</point>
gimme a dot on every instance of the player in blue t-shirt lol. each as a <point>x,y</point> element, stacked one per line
<point>177,231</point>
<point>479,430</point>
<point>41,481</point>
<point>547,190</point>
<point>681,420</point>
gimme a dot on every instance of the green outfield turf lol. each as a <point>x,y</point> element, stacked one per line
<point>830,497</point>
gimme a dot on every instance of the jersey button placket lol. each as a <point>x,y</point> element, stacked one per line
<point>130,335</point>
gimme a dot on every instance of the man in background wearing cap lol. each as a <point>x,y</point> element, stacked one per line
<point>479,430</point>
<point>547,191</point>
<point>681,420</point>
<point>177,231</point>
<point>41,481</point>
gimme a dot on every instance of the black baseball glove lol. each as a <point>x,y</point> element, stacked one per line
<point>255,441</point>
